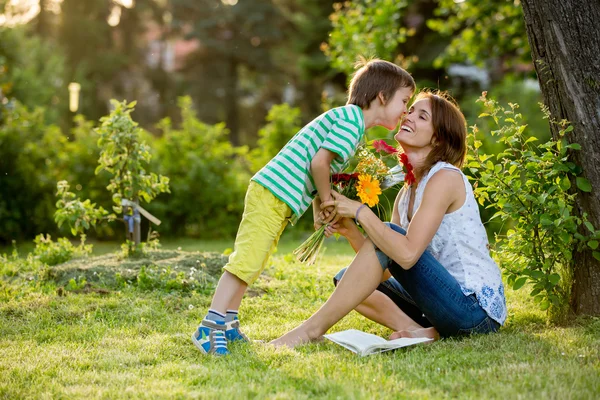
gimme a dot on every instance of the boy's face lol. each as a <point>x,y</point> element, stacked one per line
<point>395,108</point>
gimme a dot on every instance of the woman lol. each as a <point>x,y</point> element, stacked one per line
<point>444,280</point>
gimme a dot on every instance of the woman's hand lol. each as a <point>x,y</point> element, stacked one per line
<point>343,206</point>
<point>344,227</point>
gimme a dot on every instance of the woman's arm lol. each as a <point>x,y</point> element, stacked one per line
<point>395,214</point>
<point>444,192</point>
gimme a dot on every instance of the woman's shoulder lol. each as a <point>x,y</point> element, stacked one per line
<point>444,180</point>
<point>441,166</point>
<point>445,173</point>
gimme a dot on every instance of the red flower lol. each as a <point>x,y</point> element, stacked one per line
<point>339,178</point>
<point>409,176</point>
<point>382,146</point>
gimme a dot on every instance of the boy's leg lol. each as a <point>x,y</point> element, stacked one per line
<point>263,221</point>
<point>230,290</point>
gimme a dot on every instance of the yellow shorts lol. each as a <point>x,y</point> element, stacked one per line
<point>264,219</point>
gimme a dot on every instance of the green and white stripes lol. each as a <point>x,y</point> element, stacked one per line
<point>287,175</point>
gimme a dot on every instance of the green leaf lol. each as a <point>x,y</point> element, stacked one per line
<point>574,146</point>
<point>593,244</point>
<point>565,183</point>
<point>537,274</point>
<point>531,139</point>
<point>544,305</point>
<point>590,227</point>
<point>554,278</point>
<point>596,255</point>
<point>519,283</point>
<point>583,184</point>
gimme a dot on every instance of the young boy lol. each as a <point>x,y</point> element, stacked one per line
<point>285,188</point>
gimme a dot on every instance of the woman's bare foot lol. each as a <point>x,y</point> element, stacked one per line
<point>431,333</point>
<point>293,338</point>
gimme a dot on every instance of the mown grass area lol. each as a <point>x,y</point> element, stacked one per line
<point>131,339</point>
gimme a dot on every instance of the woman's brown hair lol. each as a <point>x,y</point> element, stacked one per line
<point>449,131</point>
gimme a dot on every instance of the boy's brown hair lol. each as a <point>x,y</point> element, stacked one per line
<point>377,76</point>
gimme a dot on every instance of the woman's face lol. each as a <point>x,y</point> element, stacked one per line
<point>416,130</point>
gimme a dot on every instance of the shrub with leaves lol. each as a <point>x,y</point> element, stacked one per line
<point>52,253</point>
<point>209,177</point>
<point>79,215</point>
<point>529,185</point>
<point>125,157</point>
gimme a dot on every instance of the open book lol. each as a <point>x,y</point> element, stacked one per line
<point>364,344</point>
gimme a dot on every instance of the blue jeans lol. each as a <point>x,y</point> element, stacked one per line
<point>430,296</point>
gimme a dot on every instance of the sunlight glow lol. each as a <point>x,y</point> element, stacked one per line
<point>126,3</point>
<point>115,16</point>
<point>229,2</point>
<point>19,12</point>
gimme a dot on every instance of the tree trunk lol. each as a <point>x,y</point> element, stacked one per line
<point>231,101</point>
<point>563,36</point>
<point>42,24</point>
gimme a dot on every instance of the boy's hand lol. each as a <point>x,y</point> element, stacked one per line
<point>328,215</point>
<point>343,227</point>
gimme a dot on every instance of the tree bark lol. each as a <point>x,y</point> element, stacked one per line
<point>564,39</point>
<point>231,101</point>
<point>42,24</point>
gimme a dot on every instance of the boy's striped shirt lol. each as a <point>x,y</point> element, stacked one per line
<point>287,175</point>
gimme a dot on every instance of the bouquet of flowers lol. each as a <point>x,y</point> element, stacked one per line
<point>370,176</point>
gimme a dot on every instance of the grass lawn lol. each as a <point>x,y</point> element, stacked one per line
<point>132,342</point>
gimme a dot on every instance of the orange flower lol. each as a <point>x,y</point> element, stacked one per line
<point>368,190</point>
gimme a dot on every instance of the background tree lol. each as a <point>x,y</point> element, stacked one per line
<point>564,46</point>
<point>234,36</point>
<point>485,33</point>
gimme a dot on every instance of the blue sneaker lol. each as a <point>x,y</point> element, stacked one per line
<point>209,338</point>
<point>233,332</point>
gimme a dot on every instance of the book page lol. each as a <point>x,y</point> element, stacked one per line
<point>395,344</point>
<point>355,340</point>
<point>365,343</point>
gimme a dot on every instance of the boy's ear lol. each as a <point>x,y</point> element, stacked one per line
<point>381,98</point>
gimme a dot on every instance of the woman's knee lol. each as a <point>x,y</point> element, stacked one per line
<point>338,276</point>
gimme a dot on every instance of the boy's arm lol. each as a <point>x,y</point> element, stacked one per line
<point>320,168</point>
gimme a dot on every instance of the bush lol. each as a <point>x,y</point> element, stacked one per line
<point>52,253</point>
<point>208,177</point>
<point>530,186</point>
<point>30,153</point>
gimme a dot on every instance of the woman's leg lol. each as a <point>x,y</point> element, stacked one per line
<point>388,305</point>
<point>360,280</point>
<point>437,294</point>
<point>380,308</point>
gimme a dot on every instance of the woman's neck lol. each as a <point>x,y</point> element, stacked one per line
<point>417,160</point>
